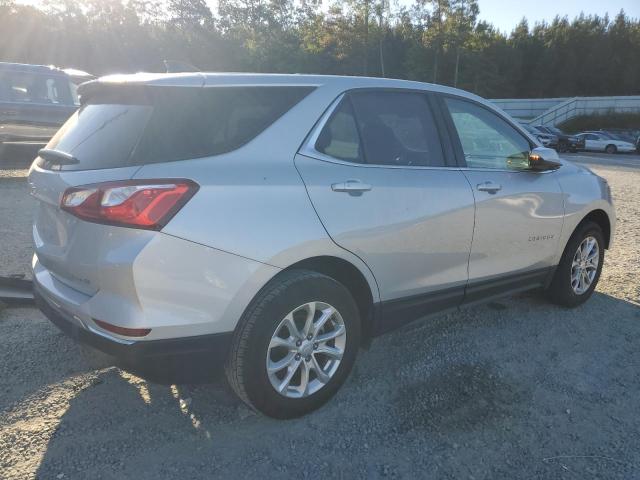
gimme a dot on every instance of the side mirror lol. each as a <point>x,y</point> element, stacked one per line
<point>539,164</point>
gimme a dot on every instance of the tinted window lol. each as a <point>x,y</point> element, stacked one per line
<point>397,128</point>
<point>487,140</point>
<point>35,88</point>
<point>161,124</point>
<point>339,137</point>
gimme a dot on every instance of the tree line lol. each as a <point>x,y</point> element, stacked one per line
<point>439,41</point>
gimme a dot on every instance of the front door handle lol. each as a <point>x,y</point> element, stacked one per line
<point>353,187</point>
<point>489,187</point>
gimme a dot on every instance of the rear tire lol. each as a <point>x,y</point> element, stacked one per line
<point>256,348</point>
<point>568,288</point>
<point>611,149</point>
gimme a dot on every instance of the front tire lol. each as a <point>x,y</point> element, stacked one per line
<point>611,149</point>
<point>579,269</point>
<point>295,345</point>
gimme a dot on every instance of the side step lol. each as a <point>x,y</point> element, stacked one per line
<point>16,291</point>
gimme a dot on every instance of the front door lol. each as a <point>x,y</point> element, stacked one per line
<point>377,176</point>
<point>519,212</point>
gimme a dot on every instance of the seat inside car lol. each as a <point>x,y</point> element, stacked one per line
<point>382,144</point>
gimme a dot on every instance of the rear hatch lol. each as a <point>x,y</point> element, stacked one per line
<point>102,136</point>
<point>120,127</point>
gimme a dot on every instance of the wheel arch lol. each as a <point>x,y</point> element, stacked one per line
<point>352,279</point>
<point>600,217</point>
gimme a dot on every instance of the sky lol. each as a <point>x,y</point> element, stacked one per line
<point>505,14</point>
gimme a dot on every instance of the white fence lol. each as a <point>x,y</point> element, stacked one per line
<point>526,108</point>
<point>552,111</point>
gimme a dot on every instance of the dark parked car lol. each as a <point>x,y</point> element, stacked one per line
<point>547,139</point>
<point>566,142</point>
<point>35,100</point>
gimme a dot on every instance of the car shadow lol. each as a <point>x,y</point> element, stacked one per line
<point>510,387</point>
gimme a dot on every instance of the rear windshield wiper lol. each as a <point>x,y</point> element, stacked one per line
<point>55,157</point>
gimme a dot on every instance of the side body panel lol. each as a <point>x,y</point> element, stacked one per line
<point>583,192</point>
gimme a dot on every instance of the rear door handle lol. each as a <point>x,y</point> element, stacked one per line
<point>489,187</point>
<point>351,186</point>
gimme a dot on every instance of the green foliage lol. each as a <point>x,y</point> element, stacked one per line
<point>431,40</point>
<point>583,123</point>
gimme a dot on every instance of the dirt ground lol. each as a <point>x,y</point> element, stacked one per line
<point>513,389</point>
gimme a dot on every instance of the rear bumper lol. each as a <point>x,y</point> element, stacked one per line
<point>215,346</point>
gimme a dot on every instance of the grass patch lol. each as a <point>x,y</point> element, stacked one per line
<point>602,122</point>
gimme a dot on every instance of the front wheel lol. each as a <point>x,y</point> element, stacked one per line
<point>610,149</point>
<point>579,269</point>
<point>295,345</point>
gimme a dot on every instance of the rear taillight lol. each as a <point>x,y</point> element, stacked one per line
<point>147,204</point>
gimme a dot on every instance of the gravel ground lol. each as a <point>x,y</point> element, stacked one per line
<point>15,224</point>
<point>512,389</point>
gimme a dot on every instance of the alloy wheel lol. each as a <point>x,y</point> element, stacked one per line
<point>584,265</point>
<point>306,349</point>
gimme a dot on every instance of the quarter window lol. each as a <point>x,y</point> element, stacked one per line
<point>339,137</point>
<point>487,140</point>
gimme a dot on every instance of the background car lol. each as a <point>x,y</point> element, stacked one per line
<point>601,142</point>
<point>625,134</point>
<point>571,143</point>
<point>547,139</point>
<point>35,100</point>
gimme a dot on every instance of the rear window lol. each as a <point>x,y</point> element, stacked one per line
<point>163,124</point>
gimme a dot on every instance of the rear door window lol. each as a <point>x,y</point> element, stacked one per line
<point>162,124</point>
<point>383,128</point>
<point>397,128</point>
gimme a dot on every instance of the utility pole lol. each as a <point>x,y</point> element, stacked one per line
<point>455,74</point>
<point>366,37</point>
<point>438,23</point>
<point>460,18</point>
<point>382,35</point>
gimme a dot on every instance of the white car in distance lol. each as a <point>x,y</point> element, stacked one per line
<point>601,143</point>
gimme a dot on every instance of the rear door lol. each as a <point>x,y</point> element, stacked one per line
<point>519,212</point>
<point>378,176</point>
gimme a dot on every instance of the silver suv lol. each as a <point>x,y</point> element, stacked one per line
<point>277,223</point>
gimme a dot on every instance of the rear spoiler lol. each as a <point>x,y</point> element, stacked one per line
<point>138,83</point>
